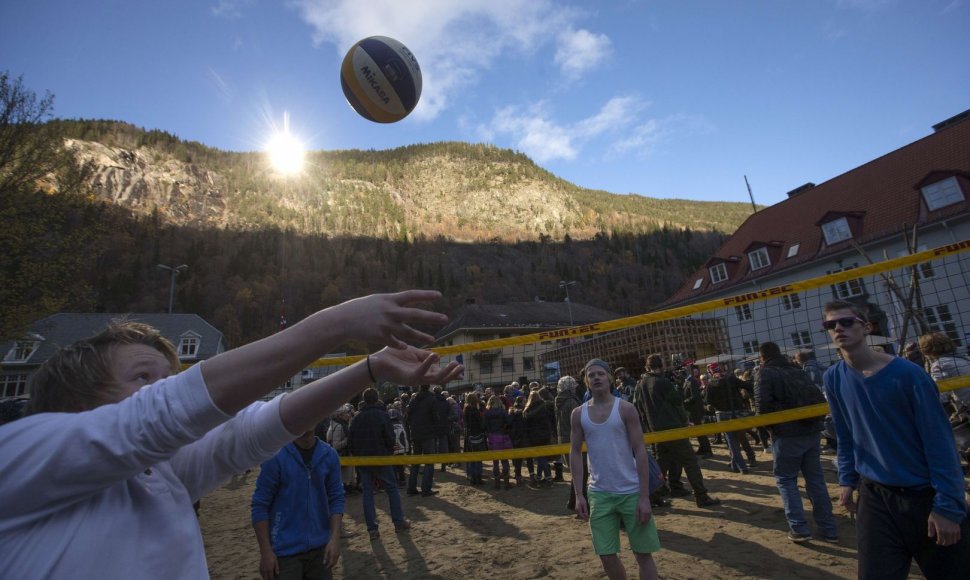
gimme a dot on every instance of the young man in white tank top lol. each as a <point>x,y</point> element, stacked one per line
<point>619,474</point>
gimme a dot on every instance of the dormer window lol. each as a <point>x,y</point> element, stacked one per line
<point>942,193</point>
<point>759,258</point>
<point>793,250</point>
<point>189,345</point>
<point>836,231</point>
<point>718,273</point>
<point>697,283</point>
<point>21,351</point>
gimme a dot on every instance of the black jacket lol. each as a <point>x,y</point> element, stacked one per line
<point>421,416</point>
<point>694,399</point>
<point>371,432</point>
<point>770,395</point>
<point>538,424</point>
<point>724,394</point>
<point>664,403</point>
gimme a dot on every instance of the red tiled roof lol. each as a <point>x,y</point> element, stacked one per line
<point>879,199</point>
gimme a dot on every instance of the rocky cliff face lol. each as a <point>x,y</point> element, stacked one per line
<point>146,182</point>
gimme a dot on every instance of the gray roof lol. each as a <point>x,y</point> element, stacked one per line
<point>525,315</point>
<point>65,328</point>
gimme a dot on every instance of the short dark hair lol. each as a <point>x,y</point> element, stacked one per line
<point>655,361</point>
<point>769,350</point>
<point>845,305</point>
<point>371,396</point>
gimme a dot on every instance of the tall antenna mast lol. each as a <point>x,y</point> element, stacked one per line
<point>751,195</point>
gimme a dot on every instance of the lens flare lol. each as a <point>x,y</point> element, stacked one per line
<point>285,151</point>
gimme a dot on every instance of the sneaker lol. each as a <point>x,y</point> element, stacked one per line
<point>403,526</point>
<point>413,492</point>
<point>657,502</point>
<point>707,501</point>
<point>679,492</point>
<point>830,539</point>
<point>799,538</point>
<point>429,493</point>
<point>374,534</point>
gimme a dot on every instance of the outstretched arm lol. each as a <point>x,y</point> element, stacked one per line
<point>240,376</point>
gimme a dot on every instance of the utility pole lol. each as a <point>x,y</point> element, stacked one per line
<point>175,271</point>
<point>751,195</point>
<point>569,303</point>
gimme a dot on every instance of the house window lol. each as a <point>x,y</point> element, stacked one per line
<point>942,193</point>
<point>528,363</point>
<point>508,365</point>
<point>924,270</point>
<point>750,346</point>
<point>759,259</point>
<point>836,231</point>
<point>939,319</point>
<point>847,288</point>
<point>697,283</point>
<point>188,346</point>
<point>21,351</point>
<point>718,273</point>
<point>793,250</point>
<point>791,302</point>
<point>743,312</point>
<point>801,338</point>
<point>485,366</point>
<point>13,385</point>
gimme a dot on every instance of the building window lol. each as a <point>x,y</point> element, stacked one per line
<point>697,283</point>
<point>743,312</point>
<point>939,319</point>
<point>718,273</point>
<point>188,346</point>
<point>791,302</point>
<point>793,250</point>
<point>508,365</point>
<point>836,231</point>
<point>759,259</point>
<point>942,193</point>
<point>21,351</point>
<point>750,346</point>
<point>924,270</point>
<point>485,366</point>
<point>528,363</point>
<point>801,338</point>
<point>13,385</point>
<point>847,288</point>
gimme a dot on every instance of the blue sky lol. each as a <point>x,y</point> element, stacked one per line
<point>666,98</point>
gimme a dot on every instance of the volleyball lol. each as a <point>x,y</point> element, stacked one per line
<point>381,79</point>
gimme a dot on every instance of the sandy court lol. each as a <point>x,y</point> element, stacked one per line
<point>478,532</point>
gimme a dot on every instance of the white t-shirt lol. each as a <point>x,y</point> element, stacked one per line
<point>108,493</point>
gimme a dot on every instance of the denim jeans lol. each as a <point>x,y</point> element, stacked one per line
<point>385,474</point>
<point>802,453</point>
<point>737,461</point>
<point>425,447</point>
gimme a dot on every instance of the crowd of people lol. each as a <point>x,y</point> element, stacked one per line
<point>99,453</point>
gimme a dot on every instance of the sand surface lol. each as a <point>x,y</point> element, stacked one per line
<point>478,532</point>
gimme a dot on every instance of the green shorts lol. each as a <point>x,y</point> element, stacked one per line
<point>606,510</point>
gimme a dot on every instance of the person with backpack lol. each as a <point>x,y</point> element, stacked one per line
<point>795,445</point>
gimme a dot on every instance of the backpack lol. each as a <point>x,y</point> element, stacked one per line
<point>797,390</point>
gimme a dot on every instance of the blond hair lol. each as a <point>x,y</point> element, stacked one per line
<point>78,377</point>
<point>936,344</point>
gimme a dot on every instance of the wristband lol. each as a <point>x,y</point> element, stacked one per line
<point>370,372</point>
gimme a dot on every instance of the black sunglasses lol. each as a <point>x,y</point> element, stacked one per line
<point>847,322</point>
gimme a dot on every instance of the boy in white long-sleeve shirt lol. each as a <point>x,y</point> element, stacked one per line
<point>100,476</point>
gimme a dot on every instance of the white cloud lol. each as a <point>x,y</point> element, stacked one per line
<point>455,41</point>
<point>230,8</point>
<point>580,51</point>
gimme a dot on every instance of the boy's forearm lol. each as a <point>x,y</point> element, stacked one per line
<point>262,536</point>
<point>302,409</point>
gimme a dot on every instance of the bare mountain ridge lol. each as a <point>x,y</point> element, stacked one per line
<point>457,191</point>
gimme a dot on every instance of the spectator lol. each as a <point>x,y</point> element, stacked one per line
<point>520,438</point>
<point>896,448</point>
<point>475,438</point>
<point>945,363</point>
<point>337,437</point>
<point>421,416</point>
<point>497,428</point>
<point>724,395</point>
<point>694,403</point>
<point>539,429</point>
<point>300,491</point>
<point>371,434</point>
<point>795,445</point>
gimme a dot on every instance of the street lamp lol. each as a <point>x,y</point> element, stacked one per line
<point>171,290</point>
<point>565,286</point>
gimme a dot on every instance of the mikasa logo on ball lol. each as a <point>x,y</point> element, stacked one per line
<point>369,75</point>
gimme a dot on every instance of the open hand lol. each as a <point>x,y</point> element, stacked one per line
<point>388,318</point>
<point>413,366</point>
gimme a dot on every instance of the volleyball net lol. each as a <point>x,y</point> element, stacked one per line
<point>905,296</point>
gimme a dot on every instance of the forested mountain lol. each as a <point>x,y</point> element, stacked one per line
<point>473,221</point>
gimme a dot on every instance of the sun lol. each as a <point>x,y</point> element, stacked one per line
<point>285,151</point>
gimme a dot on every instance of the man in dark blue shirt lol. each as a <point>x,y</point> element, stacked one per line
<point>896,448</point>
